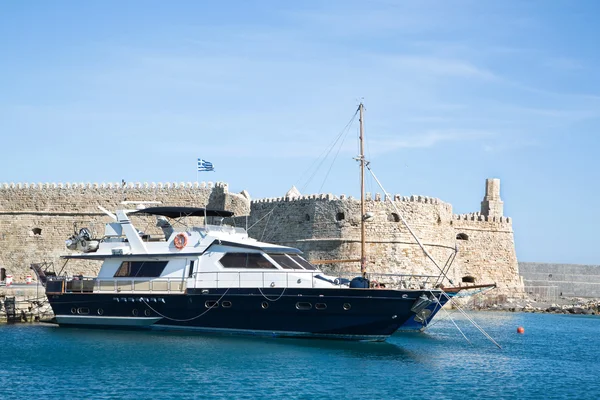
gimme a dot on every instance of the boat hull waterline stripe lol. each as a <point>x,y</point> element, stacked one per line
<point>105,321</point>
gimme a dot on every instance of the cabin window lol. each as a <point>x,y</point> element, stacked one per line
<point>462,236</point>
<point>37,231</point>
<point>393,217</point>
<point>191,271</point>
<point>305,264</point>
<point>246,260</point>
<point>140,269</point>
<point>284,261</point>
<point>340,216</point>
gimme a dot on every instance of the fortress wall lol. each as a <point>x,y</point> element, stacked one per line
<point>569,279</point>
<point>57,208</point>
<point>327,227</point>
<point>489,252</point>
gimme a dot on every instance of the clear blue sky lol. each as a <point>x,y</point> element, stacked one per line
<point>455,91</point>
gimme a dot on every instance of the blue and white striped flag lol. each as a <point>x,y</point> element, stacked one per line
<point>204,165</point>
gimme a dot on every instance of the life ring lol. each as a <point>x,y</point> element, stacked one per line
<point>180,241</point>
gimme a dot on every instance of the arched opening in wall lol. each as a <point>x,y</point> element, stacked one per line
<point>393,217</point>
<point>340,216</point>
<point>37,231</point>
<point>462,236</point>
<point>307,217</point>
<point>468,279</point>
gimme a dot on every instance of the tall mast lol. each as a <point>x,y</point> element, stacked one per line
<point>363,252</point>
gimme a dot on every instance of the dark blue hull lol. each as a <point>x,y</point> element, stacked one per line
<point>355,314</point>
<point>421,320</point>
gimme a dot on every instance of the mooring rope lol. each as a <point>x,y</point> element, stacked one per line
<point>189,319</point>
<point>261,292</point>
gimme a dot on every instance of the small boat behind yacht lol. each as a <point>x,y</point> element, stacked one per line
<point>214,278</point>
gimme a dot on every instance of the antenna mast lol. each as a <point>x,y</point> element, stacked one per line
<point>363,255</point>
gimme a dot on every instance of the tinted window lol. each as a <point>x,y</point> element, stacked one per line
<point>141,269</point>
<point>246,260</point>
<point>284,261</point>
<point>302,262</point>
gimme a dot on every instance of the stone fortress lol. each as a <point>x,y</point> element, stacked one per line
<point>36,219</point>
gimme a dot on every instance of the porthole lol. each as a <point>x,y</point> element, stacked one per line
<point>100,311</point>
<point>73,310</point>
<point>347,306</point>
<point>135,312</point>
<point>264,305</point>
<point>147,313</point>
<point>211,303</point>
<point>321,306</point>
<point>303,306</point>
<point>226,304</point>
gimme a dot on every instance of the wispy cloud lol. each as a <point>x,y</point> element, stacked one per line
<point>425,140</point>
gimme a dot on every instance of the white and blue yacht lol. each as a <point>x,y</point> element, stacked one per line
<point>214,278</point>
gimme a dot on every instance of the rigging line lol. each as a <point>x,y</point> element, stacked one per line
<point>446,267</point>
<point>450,317</point>
<point>323,156</point>
<point>471,320</point>
<point>266,225</point>
<point>263,217</point>
<point>334,158</point>
<point>189,319</point>
<point>447,270</point>
<point>438,319</point>
<point>408,226</point>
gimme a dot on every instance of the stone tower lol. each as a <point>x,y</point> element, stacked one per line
<point>492,205</point>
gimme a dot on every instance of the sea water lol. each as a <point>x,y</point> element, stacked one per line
<point>558,357</point>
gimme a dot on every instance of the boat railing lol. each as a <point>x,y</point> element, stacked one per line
<point>402,281</point>
<point>82,284</point>
<point>233,279</point>
<point>305,279</point>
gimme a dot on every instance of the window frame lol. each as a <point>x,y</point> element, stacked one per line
<point>303,263</point>
<point>140,269</point>
<point>257,256</point>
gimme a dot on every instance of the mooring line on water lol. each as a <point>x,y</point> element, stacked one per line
<point>471,320</point>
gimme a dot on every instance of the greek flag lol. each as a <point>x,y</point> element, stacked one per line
<point>204,165</point>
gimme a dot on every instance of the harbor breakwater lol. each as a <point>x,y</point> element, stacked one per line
<point>22,303</point>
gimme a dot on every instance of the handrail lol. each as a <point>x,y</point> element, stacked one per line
<point>239,279</point>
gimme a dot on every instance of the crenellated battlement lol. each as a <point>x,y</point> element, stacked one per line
<point>481,218</point>
<point>368,197</point>
<point>114,186</point>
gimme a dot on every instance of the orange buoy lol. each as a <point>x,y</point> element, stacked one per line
<point>520,330</point>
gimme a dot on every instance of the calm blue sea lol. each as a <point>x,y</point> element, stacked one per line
<point>557,358</point>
